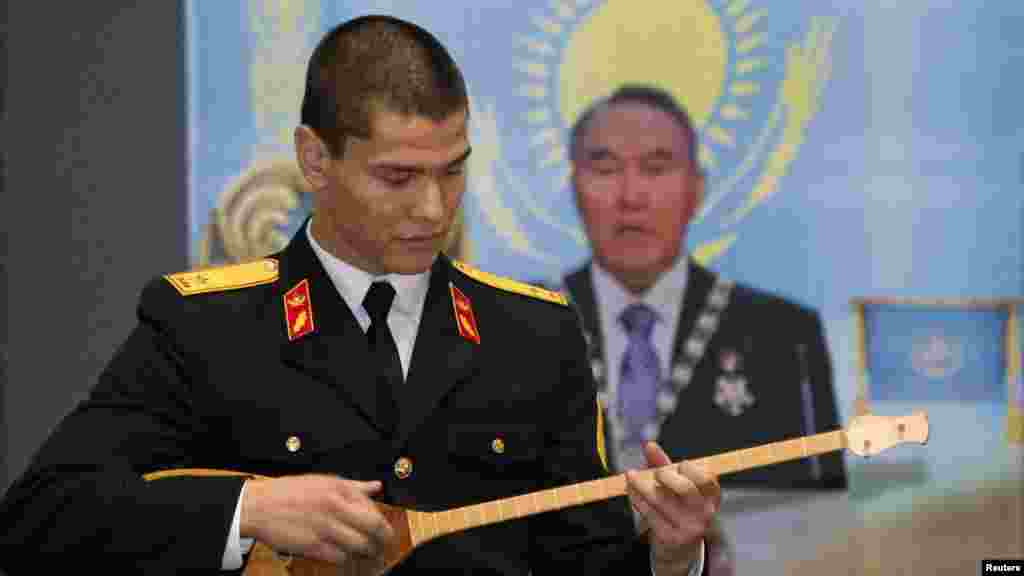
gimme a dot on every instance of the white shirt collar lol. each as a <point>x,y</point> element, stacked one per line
<point>665,296</point>
<point>353,283</point>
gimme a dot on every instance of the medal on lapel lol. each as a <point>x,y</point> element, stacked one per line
<point>298,310</point>
<point>464,318</point>
<point>729,360</point>
<point>731,392</point>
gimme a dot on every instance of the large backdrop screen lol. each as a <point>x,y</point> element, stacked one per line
<point>853,149</point>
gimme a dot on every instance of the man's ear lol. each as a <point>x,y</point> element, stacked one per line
<point>691,206</point>
<point>698,194</point>
<point>313,156</point>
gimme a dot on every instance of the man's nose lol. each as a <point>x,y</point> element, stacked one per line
<point>632,190</point>
<point>429,202</point>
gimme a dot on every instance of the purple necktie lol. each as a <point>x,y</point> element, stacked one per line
<point>640,373</point>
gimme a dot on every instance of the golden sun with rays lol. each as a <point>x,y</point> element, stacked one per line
<point>679,45</point>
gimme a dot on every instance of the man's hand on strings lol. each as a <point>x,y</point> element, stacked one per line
<point>677,505</point>
<point>317,516</point>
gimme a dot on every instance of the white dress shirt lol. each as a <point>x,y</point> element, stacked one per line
<point>665,297</point>
<point>404,316</point>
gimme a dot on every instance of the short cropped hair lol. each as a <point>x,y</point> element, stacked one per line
<point>649,95</point>
<point>377,62</point>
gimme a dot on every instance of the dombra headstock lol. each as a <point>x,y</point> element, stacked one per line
<point>870,434</point>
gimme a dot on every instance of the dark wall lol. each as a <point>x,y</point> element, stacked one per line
<point>4,139</point>
<point>95,196</point>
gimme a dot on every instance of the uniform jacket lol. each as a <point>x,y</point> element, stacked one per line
<point>778,349</point>
<point>211,380</point>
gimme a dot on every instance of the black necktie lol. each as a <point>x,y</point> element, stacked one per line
<point>384,353</point>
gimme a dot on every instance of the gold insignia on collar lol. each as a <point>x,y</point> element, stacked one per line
<point>298,310</point>
<point>464,319</point>
<point>218,278</point>
<point>510,285</point>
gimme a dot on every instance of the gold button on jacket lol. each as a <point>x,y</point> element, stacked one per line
<point>403,468</point>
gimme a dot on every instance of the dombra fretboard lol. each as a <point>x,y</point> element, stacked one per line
<point>867,435</point>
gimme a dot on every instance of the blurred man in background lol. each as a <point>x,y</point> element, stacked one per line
<point>674,348</point>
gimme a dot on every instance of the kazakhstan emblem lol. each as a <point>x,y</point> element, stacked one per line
<point>750,96</point>
<point>936,356</point>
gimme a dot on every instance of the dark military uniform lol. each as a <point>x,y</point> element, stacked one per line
<point>761,374</point>
<point>211,380</point>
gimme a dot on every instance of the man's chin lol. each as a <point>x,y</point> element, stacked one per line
<point>635,263</point>
<point>412,264</point>
<point>637,272</point>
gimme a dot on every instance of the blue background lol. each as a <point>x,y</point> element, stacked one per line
<point>908,182</point>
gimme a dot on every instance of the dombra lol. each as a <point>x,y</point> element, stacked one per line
<point>867,435</point>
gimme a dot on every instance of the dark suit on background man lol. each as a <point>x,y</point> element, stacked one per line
<point>682,357</point>
<point>683,349</point>
<point>780,353</point>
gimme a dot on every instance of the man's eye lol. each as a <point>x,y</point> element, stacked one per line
<point>654,169</point>
<point>605,166</point>
<point>395,178</point>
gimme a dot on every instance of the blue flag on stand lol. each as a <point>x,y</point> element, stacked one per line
<point>959,361</point>
<point>936,354</point>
